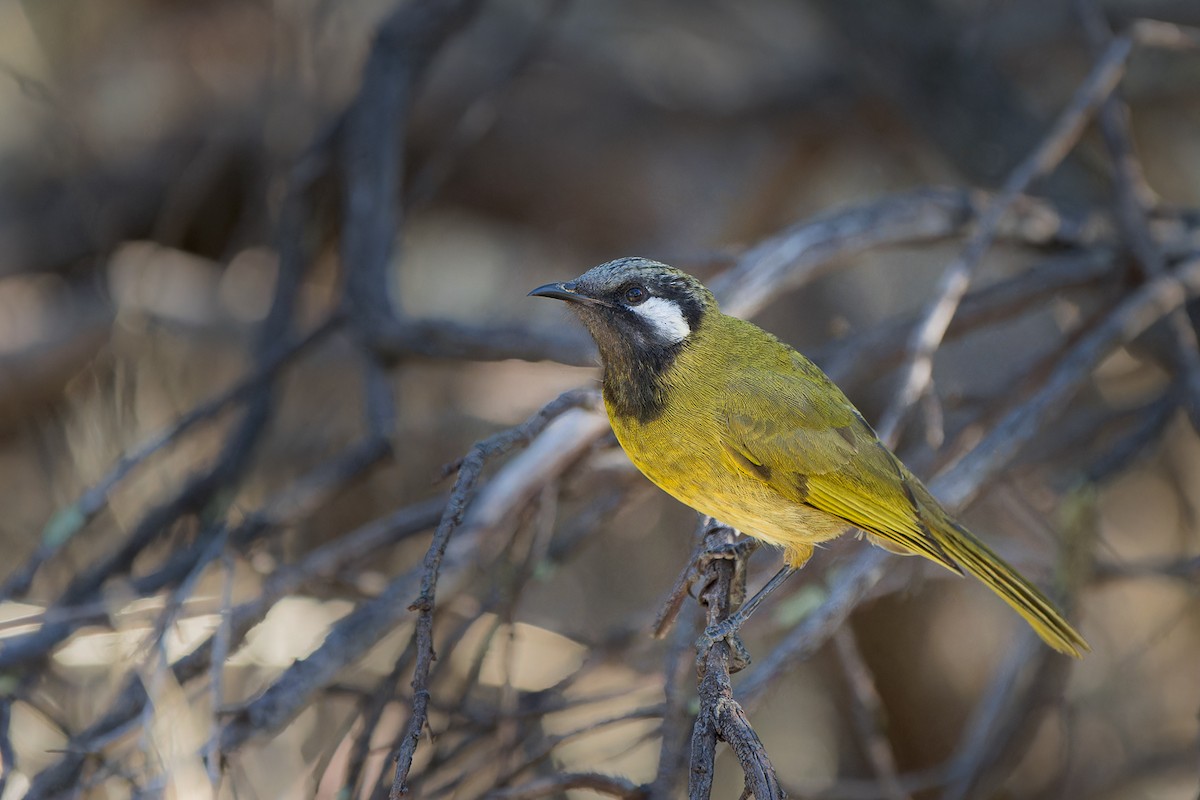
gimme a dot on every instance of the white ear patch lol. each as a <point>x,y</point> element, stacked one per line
<point>665,317</point>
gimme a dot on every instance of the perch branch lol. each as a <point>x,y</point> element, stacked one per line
<point>720,716</point>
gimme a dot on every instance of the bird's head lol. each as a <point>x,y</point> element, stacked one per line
<point>635,307</point>
<point>642,315</point>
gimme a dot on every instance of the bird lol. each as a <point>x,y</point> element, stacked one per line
<point>731,421</point>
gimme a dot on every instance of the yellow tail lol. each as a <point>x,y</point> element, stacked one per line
<point>978,559</point>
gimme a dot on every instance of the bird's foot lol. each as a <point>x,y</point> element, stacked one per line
<point>736,551</point>
<point>727,631</point>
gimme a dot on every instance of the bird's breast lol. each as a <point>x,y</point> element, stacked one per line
<point>683,453</point>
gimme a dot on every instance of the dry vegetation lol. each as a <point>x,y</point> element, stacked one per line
<point>304,497</point>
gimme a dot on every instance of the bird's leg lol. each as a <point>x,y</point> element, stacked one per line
<point>728,629</point>
<point>696,571</point>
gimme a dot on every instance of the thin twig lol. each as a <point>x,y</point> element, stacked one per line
<point>995,711</point>
<point>1149,422</point>
<point>555,785</point>
<point>798,254</point>
<point>481,114</point>
<point>214,545</point>
<point>547,747</point>
<point>63,526</point>
<point>216,683</point>
<point>883,345</point>
<point>952,286</point>
<point>687,577</point>
<point>958,484</point>
<point>1132,199</point>
<point>1185,569</point>
<point>846,590</point>
<point>678,666</point>
<point>868,714</point>
<point>28,650</point>
<point>810,248</point>
<point>1129,318</point>
<point>468,474</point>
<point>325,561</point>
<point>371,713</point>
<point>8,755</point>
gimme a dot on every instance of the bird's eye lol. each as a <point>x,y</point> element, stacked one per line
<point>635,295</point>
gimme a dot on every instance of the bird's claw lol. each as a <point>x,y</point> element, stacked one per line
<point>736,551</point>
<point>727,631</point>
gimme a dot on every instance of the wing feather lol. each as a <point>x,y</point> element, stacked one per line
<point>813,447</point>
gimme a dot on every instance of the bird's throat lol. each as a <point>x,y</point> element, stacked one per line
<point>635,380</point>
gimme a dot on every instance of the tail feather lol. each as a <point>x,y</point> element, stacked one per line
<point>978,559</point>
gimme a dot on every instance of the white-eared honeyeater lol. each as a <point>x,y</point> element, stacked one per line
<point>739,426</point>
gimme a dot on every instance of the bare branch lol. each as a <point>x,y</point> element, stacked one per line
<point>678,665</point>
<point>868,715</point>
<point>468,474</point>
<point>1132,204</point>
<point>884,345</point>
<point>1131,316</point>
<point>720,716</point>
<point>8,756</point>
<point>796,255</point>
<point>554,785</point>
<point>811,248</point>
<point>372,149</point>
<point>517,524</point>
<point>131,700</point>
<point>956,279</point>
<point>1000,705</point>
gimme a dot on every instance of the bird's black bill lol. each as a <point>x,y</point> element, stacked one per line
<point>565,291</point>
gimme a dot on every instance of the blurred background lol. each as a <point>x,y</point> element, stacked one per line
<point>177,208</point>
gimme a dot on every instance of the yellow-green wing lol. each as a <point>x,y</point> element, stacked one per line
<point>793,429</point>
